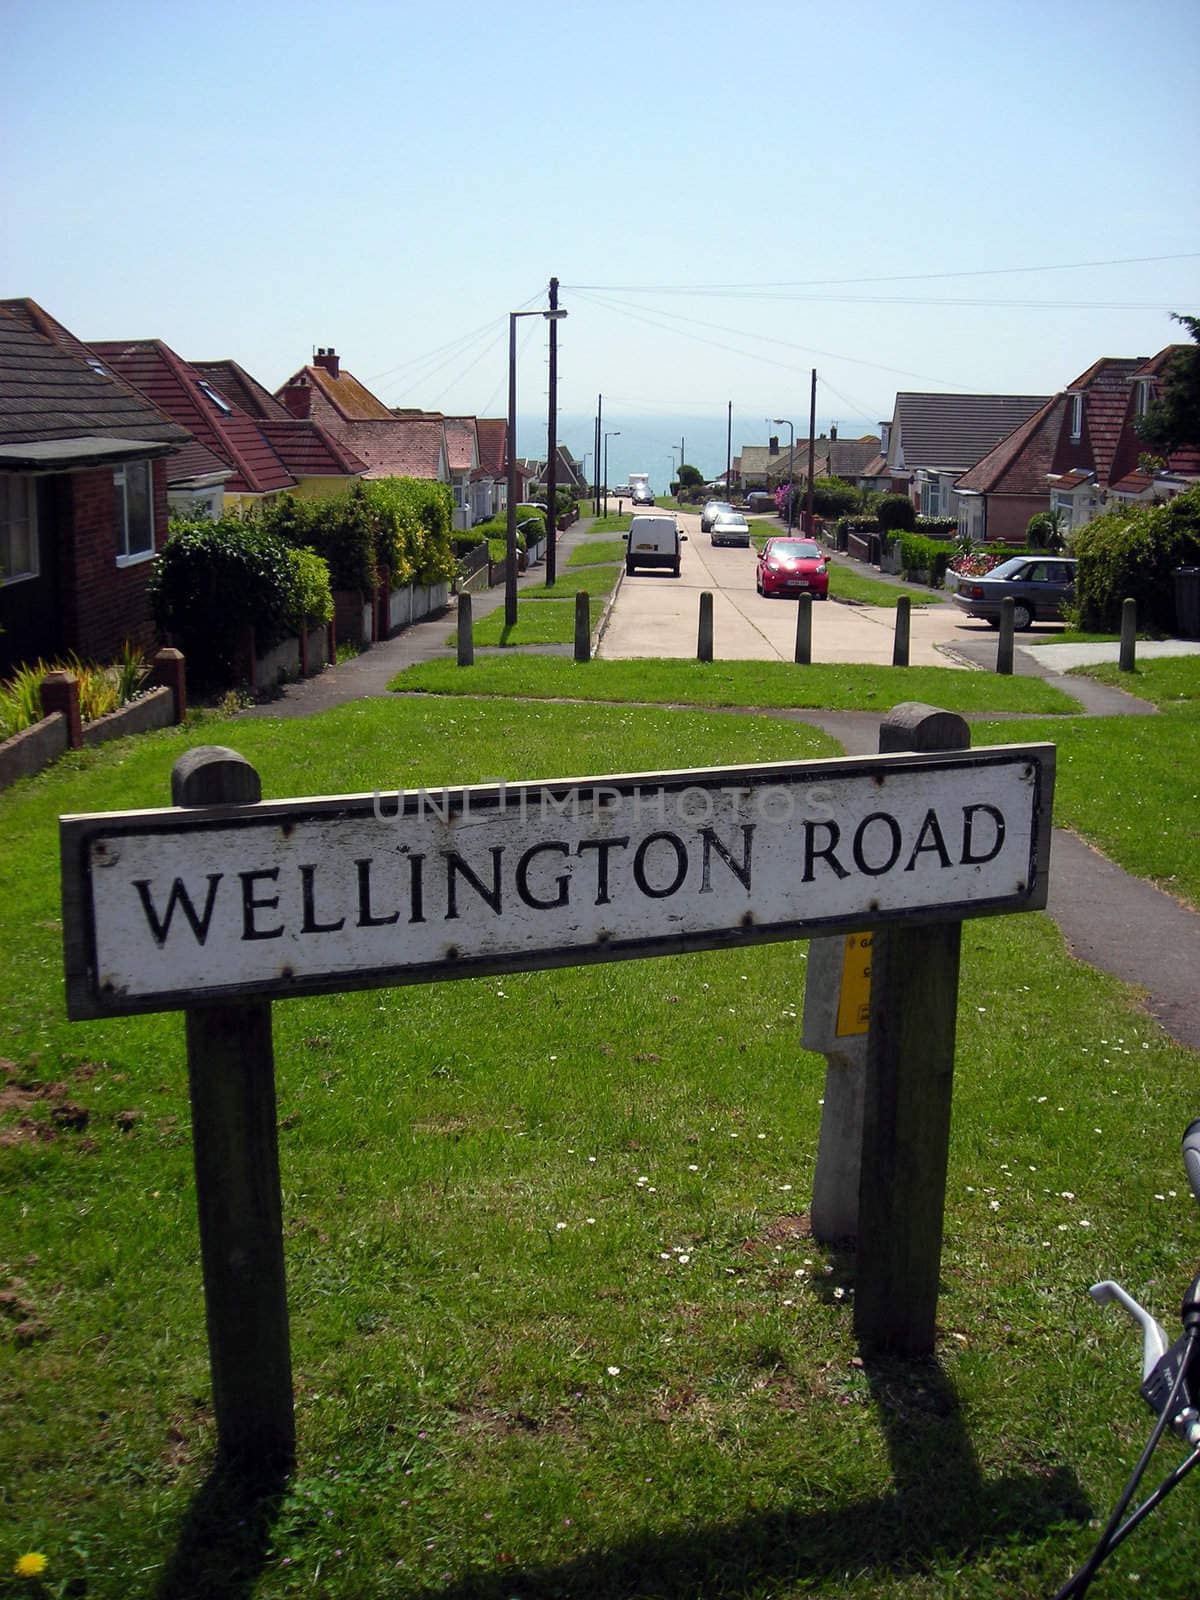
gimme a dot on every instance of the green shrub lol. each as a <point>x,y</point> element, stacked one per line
<point>896,511</point>
<point>937,527</point>
<point>211,581</point>
<point>310,602</point>
<point>833,497</point>
<point>921,554</point>
<point>1044,530</point>
<point>1133,552</point>
<point>342,531</point>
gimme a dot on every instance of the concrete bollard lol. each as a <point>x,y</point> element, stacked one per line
<point>1128,656</point>
<point>583,627</point>
<point>903,629</point>
<point>1004,648</point>
<point>704,639</point>
<point>169,670</point>
<point>804,609</point>
<point>466,636</point>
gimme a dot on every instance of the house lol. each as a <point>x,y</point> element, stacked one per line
<point>568,474</point>
<point>409,444</point>
<point>1077,455</point>
<point>767,466</point>
<point>492,434</point>
<point>245,448</point>
<point>466,482</point>
<point>933,439</point>
<point>83,495</point>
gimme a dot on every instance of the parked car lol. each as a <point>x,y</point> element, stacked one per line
<point>643,495</point>
<point>730,527</point>
<point>760,500</point>
<point>622,491</point>
<point>1039,585</point>
<point>793,566</point>
<point>653,542</point>
<point>712,508</point>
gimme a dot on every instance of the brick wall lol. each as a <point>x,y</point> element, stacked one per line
<point>104,604</point>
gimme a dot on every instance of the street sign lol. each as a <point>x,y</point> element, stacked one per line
<point>177,907</point>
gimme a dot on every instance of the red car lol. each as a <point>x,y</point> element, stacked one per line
<point>792,566</point>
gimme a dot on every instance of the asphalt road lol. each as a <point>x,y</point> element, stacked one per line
<point>657,614</point>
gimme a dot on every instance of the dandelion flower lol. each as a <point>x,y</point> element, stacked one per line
<point>31,1565</point>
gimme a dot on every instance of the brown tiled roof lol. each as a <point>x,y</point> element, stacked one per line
<point>492,431</point>
<point>174,386</point>
<point>396,449</point>
<point>845,458</point>
<point>236,384</point>
<point>460,443</point>
<point>876,467</point>
<point>48,389</point>
<point>1107,416</point>
<point>352,400</point>
<point>954,431</point>
<point>1019,463</point>
<point>309,451</point>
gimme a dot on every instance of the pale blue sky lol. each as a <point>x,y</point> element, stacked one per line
<point>253,179</point>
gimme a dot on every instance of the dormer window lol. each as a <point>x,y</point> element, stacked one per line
<point>222,406</point>
<point>1143,396</point>
<point>1076,418</point>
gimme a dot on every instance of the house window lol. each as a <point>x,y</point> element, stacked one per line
<point>18,529</point>
<point>210,393</point>
<point>931,497</point>
<point>1076,418</point>
<point>133,511</point>
<point>1064,504</point>
<point>1141,397</point>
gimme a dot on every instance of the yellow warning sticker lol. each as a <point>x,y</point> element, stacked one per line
<point>854,996</point>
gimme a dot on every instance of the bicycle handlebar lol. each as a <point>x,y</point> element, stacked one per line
<point>1191,1156</point>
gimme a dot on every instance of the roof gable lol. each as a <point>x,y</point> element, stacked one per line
<point>954,431</point>
<point>236,384</point>
<point>352,400</point>
<point>1019,464</point>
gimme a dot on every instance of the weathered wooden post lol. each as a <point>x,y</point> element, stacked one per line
<point>804,610</point>
<point>170,671</point>
<point>704,637</point>
<point>60,692</point>
<point>1128,656</point>
<point>231,1080</point>
<point>466,637</point>
<point>1004,646</point>
<point>583,626</point>
<point>903,625</point>
<point>906,1106</point>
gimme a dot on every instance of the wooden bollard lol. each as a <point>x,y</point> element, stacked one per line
<point>583,626</point>
<point>466,637</point>
<point>1004,646</point>
<point>170,672</point>
<point>804,610</point>
<point>903,628</point>
<point>231,1080</point>
<point>704,637</point>
<point>906,1104</point>
<point>1128,656</point>
<point>60,692</point>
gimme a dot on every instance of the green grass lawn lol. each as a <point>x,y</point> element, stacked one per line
<point>1167,680</point>
<point>555,1327</point>
<point>611,523</point>
<point>764,684</point>
<point>585,555</point>
<point>597,581</point>
<point>845,584</point>
<point>550,621</point>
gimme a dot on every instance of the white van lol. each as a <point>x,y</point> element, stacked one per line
<point>653,542</point>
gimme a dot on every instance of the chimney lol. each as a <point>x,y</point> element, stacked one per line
<point>833,433</point>
<point>329,360</point>
<point>297,399</point>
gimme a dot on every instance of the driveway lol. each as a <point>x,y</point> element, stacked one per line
<point>657,615</point>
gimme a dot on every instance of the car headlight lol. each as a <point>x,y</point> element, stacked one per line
<point>820,566</point>
<point>772,566</point>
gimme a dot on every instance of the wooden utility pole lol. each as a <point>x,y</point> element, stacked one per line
<point>552,448</point>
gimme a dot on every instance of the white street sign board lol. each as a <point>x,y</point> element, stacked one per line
<point>176,907</point>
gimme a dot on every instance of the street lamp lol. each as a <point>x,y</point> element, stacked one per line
<point>510,541</point>
<point>614,435</point>
<point>782,422</point>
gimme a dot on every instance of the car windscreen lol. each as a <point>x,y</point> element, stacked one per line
<point>793,550</point>
<point>1014,567</point>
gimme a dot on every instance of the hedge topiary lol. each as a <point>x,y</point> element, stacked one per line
<point>1132,552</point>
<point>213,580</point>
<point>896,513</point>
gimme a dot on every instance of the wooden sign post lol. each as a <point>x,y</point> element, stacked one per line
<point>225,902</point>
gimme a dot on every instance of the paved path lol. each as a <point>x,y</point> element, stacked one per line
<point>1118,923</point>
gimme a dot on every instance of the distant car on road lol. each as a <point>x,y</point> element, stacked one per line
<point>760,500</point>
<point>622,491</point>
<point>712,508</point>
<point>1039,586</point>
<point>642,495</point>
<point>730,527</point>
<point>653,541</point>
<point>792,566</point>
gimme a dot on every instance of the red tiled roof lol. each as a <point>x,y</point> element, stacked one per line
<point>309,451</point>
<point>492,433</point>
<point>1019,463</point>
<point>1071,480</point>
<point>236,384</point>
<point>49,390</point>
<point>460,443</point>
<point>396,449</point>
<point>1107,416</point>
<point>168,380</point>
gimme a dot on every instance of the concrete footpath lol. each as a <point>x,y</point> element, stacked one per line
<point>1121,924</point>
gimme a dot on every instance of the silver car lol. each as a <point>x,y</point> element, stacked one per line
<point>730,527</point>
<point>1038,585</point>
<point>712,508</point>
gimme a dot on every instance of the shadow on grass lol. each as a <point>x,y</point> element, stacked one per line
<point>224,1538</point>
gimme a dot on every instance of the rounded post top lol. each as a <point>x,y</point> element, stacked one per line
<point>211,774</point>
<point>914,726</point>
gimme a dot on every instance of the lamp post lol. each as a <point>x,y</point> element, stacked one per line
<point>510,541</point>
<point>782,422</point>
<point>614,435</point>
